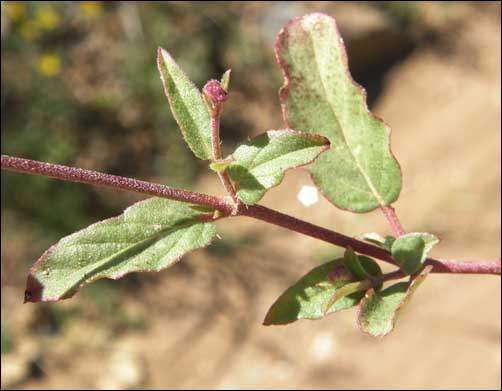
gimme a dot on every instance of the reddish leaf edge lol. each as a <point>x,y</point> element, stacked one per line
<point>284,91</point>
<point>160,51</point>
<point>415,282</point>
<point>33,291</point>
<point>323,139</point>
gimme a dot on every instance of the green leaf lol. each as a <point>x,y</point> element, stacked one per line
<point>220,165</point>
<point>187,105</point>
<point>374,238</point>
<point>410,250</point>
<point>261,162</point>
<point>359,172</point>
<point>149,236</point>
<point>225,80</point>
<point>308,298</point>
<point>359,266</point>
<point>379,311</point>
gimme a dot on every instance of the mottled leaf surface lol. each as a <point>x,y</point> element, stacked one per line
<point>187,105</point>
<point>410,250</point>
<point>260,163</point>
<point>149,236</point>
<point>309,297</point>
<point>319,96</point>
<point>378,311</point>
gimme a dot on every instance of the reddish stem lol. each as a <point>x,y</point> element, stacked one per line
<point>459,267</point>
<point>72,174</point>
<point>390,214</point>
<point>227,208</point>
<point>215,138</point>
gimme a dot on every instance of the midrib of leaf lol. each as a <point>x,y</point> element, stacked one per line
<point>198,135</point>
<point>115,259</point>
<point>373,190</point>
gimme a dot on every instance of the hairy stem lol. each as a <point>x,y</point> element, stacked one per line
<point>227,208</point>
<point>215,137</point>
<point>72,174</point>
<point>390,214</point>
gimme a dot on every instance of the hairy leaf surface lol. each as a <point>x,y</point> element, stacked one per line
<point>187,105</point>
<point>149,236</point>
<point>309,297</point>
<point>410,250</point>
<point>359,172</point>
<point>260,163</point>
<point>378,311</point>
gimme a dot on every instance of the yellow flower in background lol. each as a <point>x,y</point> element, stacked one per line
<point>91,9</point>
<point>29,30</point>
<point>47,18</point>
<point>15,10</point>
<point>49,65</point>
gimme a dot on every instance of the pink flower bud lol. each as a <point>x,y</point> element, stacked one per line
<point>213,91</point>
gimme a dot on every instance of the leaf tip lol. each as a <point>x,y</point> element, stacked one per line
<point>33,291</point>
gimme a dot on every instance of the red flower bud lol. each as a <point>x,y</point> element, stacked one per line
<point>213,91</point>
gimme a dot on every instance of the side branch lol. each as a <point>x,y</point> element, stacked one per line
<point>215,137</point>
<point>73,174</point>
<point>395,224</point>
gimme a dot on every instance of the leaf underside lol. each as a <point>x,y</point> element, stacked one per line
<point>260,163</point>
<point>187,106</point>
<point>359,172</point>
<point>308,298</point>
<point>149,236</point>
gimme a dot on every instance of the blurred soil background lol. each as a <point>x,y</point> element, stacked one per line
<point>80,87</point>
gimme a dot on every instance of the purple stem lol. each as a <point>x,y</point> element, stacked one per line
<point>390,214</point>
<point>228,208</point>
<point>215,138</point>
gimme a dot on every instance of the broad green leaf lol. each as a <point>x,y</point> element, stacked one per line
<point>374,238</point>
<point>309,297</point>
<point>261,162</point>
<point>359,172</point>
<point>149,236</point>
<point>410,250</point>
<point>187,105</point>
<point>359,266</point>
<point>225,80</point>
<point>378,311</point>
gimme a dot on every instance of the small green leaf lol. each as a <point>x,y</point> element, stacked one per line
<point>225,80</point>
<point>187,105</point>
<point>374,238</point>
<point>220,165</point>
<point>308,298</point>
<point>378,311</point>
<point>359,172</point>
<point>260,163</point>
<point>149,236</point>
<point>410,250</point>
<point>360,266</point>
